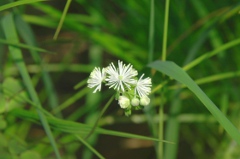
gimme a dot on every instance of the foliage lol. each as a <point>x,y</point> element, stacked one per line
<point>188,48</point>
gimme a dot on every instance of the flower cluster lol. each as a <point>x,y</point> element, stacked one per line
<point>132,93</point>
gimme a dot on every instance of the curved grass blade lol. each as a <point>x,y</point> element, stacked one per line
<point>30,39</point>
<point>211,53</point>
<point>177,73</point>
<point>78,128</point>
<point>210,79</point>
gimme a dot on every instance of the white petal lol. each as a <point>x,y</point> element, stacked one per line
<point>96,78</point>
<point>121,78</point>
<point>143,86</point>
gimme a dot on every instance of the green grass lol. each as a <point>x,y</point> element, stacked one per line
<point>188,48</point>
<point>11,35</point>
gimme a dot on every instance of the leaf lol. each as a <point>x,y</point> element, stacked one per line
<point>177,73</point>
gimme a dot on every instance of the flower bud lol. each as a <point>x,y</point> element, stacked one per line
<point>124,102</point>
<point>135,102</point>
<point>144,101</point>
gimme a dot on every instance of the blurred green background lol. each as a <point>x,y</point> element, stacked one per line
<point>43,93</point>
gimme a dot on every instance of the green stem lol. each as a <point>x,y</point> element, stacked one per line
<point>164,55</point>
<point>100,115</point>
<point>89,147</point>
<point>62,19</point>
<point>165,31</point>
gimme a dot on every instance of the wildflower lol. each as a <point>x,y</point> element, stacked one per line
<point>143,86</point>
<point>121,78</point>
<point>144,101</point>
<point>131,92</point>
<point>96,78</point>
<point>124,102</point>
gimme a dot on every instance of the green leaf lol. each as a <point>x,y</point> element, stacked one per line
<point>177,73</point>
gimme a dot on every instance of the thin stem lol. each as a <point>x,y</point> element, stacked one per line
<point>160,129</point>
<point>164,54</point>
<point>165,31</point>
<point>89,147</point>
<point>100,115</point>
<point>62,19</point>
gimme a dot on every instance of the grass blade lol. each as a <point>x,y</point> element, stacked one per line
<point>211,53</point>
<point>30,39</point>
<point>24,46</point>
<point>78,128</point>
<point>11,35</point>
<point>177,73</point>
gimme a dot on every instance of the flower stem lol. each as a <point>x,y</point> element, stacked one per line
<point>100,115</point>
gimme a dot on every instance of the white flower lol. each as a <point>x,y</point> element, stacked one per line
<point>96,78</point>
<point>144,101</point>
<point>135,101</point>
<point>124,102</point>
<point>122,77</point>
<point>143,86</point>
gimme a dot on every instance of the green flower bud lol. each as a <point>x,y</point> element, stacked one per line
<point>124,102</point>
<point>144,101</point>
<point>135,102</point>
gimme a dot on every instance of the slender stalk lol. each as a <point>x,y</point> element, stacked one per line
<point>164,55</point>
<point>99,117</point>
<point>165,31</point>
<point>62,19</point>
<point>151,33</point>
